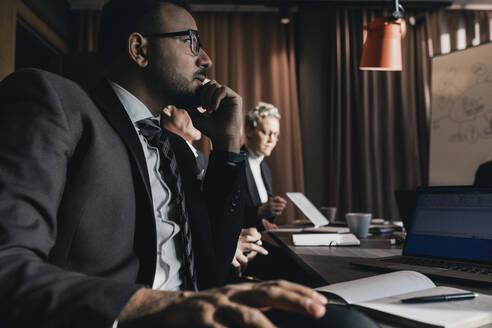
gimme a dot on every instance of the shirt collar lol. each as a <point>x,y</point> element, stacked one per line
<point>135,109</point>
<point>193,149</point>
<point>253,156</point>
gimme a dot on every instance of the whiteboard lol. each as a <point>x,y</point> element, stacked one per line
<point>460,131</point>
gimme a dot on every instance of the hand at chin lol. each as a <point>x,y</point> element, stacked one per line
<point>189,103</point>
<point>222,119</point>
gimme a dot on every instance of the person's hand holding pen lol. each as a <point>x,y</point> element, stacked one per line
<point>248,246</point>
<point>275,206</point>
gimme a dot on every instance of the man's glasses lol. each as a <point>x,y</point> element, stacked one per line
<point>195,44</point>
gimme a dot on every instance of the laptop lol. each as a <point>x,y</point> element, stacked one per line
<point>317,221</point>
<point>450,235</point>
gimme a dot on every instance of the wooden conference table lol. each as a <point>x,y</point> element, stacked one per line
<point>327,265</point>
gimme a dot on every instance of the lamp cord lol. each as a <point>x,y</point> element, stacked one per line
<point>399,10</point>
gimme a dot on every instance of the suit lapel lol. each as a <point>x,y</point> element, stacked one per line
<point>250,180</point>
<point>184,156</point>
<point>113,110</point>
<point>145,230</point>
<point>267,178</point>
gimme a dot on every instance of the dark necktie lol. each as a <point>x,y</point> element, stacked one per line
<point>157,137</point>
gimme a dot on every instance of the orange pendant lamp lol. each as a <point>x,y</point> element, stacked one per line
<point>382,46</point>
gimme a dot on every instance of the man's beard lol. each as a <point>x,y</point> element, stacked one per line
<point>180,94</point>
<point>173,87</point>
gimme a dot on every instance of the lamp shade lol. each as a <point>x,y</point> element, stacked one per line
<point>382,48</point>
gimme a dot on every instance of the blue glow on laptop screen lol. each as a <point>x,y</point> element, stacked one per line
<point>450,223</point>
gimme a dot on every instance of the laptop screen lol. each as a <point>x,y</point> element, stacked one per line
<point>452,222</point>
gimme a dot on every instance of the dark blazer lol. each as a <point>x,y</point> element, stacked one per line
<point>483,176</point>
<point>201,161</point>
<point>77,229</point>
<point>252,196</point>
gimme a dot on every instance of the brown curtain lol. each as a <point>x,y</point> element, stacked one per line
<point>370,129</point>
<point>84,65</point>
<point>87,29</point>
<point>254,54</point>
<point>457,29</point>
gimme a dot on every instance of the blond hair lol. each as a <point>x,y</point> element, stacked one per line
<point>262,110</point>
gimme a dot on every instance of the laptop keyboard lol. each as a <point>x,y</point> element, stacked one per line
<point>450,265</point>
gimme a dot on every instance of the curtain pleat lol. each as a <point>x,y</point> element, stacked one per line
<point>88,28</point>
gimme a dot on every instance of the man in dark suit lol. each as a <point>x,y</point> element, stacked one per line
<point>262,131</point>
<point>96,203</point>
<point>483,175</point>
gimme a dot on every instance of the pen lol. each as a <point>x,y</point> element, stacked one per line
<point>439,298</point>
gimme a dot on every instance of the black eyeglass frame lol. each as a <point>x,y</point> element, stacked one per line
<point>189,33</point>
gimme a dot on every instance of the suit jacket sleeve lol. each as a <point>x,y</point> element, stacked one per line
<point>251,217</point>
<point>37,140</point>
<point>224,189</point>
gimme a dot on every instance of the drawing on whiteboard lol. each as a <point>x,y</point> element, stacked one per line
<point>469,109</point>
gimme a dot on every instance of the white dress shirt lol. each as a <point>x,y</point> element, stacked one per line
<point>193,149</point>
<point>168,248</point>
<point>200,175</point>
<point>254,163</point>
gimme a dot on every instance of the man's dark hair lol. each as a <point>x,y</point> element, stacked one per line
<point>120,18</point>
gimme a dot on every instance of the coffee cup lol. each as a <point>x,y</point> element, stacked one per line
<point>329,212</point>
<point>359,223</point>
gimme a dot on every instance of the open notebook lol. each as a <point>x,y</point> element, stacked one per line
<point>383,293</point>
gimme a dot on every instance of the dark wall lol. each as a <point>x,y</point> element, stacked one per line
<point>31,50</point>
<point>55,13</point>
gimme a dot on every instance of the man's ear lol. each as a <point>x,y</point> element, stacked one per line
<point>138,49</point>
